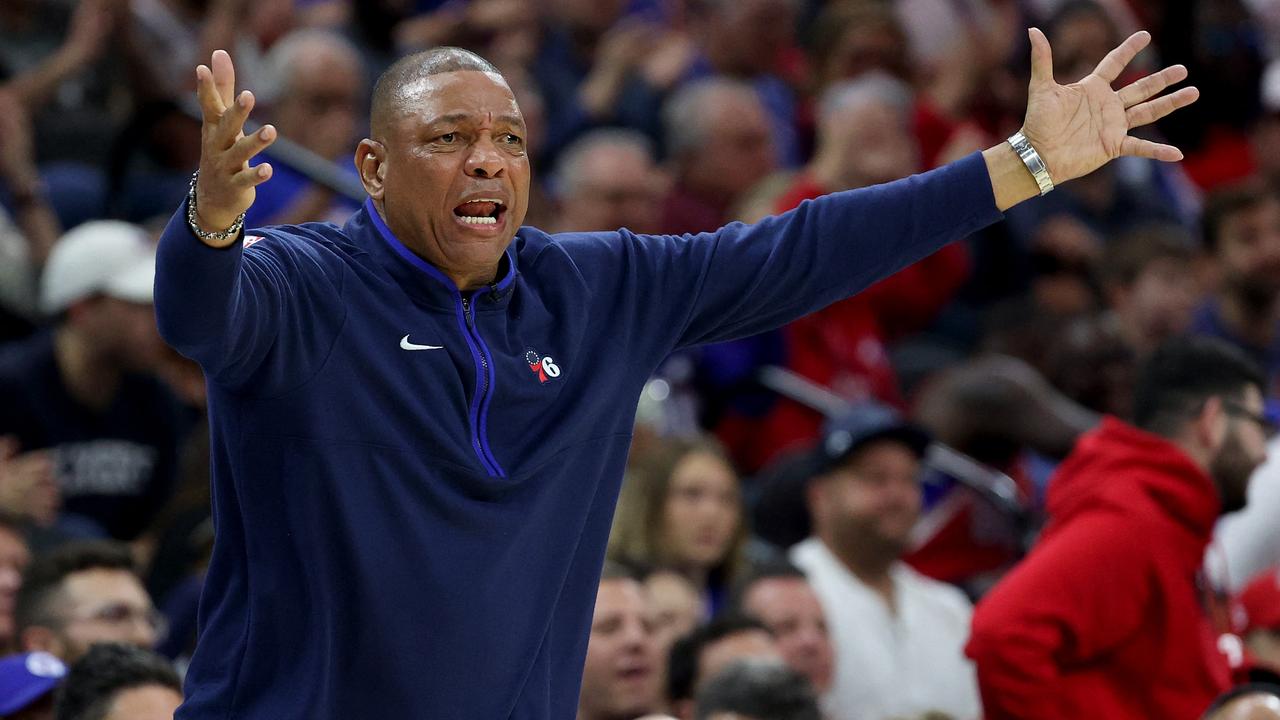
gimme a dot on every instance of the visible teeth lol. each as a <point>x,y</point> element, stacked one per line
<point>479,220</point>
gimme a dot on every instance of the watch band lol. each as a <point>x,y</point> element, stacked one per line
<point>1033,161</point>
<point>220,236</point>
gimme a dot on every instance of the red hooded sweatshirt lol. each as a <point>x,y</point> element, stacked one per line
<point>1104,618</point>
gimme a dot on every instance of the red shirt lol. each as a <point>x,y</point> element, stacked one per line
<point>1105,618</point>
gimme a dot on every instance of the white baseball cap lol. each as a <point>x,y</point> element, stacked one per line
<point>106,257</point>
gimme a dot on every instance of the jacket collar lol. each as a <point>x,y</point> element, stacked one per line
<point>419,278</point>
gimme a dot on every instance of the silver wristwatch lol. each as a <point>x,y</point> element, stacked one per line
<point>220,236</point>
<point>1032,160</point>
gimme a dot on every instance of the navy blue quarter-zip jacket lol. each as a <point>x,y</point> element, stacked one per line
<point>413,486</point>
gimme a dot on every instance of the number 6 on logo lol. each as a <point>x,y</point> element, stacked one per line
<point>550,368</point>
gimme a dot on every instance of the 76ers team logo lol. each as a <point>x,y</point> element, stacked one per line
<point>544,367</point>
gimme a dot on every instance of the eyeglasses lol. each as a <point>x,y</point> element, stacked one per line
<point>1262,420</point>
<point>120,614</point>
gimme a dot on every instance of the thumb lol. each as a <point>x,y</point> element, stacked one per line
<point>1041,58</point>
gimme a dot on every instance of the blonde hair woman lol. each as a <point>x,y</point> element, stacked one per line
<point>681,508</point>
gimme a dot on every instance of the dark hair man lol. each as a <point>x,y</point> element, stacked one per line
<point>1241,226</point>
<point>1104,618</point>
<point>84,593</point>
<point>119,682</point>
<point>898,635</point>
<point>782,598</point>
<point>703,653</point>
<point>425,413</point>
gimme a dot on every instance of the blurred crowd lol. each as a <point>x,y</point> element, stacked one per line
<point>810,515</point>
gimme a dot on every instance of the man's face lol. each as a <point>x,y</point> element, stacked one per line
<point>743,645</point>
<point>617,187</point>
<point>103,605</point>
<point>1161,299</point>
<point>867,47</point>
<point>760,30</point>
<point>875,143</point>
<point>872,501</point>
<point>738,152</point>
<point>1249,252</point>
<point>621,674</point>
<point>676,605</point>
<point>14,557</point>
<point>1243,450</point>
<point>322,107</point>
<point>123,331</point>
<point>790,608</point>
<point>149,702</point>
<point>460,140</point>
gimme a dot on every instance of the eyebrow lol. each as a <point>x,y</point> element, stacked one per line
<point>458,117</point>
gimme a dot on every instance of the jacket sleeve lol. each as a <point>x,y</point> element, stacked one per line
<point>745,279</point>
<point>1079,595</point>
<point>266,314</point>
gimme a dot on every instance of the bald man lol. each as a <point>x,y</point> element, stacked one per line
<point>420,419</point>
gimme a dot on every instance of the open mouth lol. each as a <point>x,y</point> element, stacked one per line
<point>480,211</point>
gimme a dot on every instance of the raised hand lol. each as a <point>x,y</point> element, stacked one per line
<point>1077,128</point>
<point>226,185</point>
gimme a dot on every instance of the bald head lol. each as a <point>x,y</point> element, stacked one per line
<point>401,83</point>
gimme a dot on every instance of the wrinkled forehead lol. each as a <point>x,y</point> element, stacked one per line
<point>463,94</point>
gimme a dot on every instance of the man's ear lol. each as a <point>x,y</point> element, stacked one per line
<point>370,159</point>
<point>1210,425</point>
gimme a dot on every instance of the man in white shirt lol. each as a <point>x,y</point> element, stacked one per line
<point>899,636</point>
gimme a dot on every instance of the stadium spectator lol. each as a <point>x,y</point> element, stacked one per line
<point>781,597</point>
<point>85,389</point>
<point>757,690</point>
<point>677,605</point>
<point>853,38</point>
<point>84,593</point>
<point>1242,235</point>
<point>14,558</point>
<point>27,684</point>
<point>621,679</point>
<point>608,179</point>
<point>719,146</point>
<point>119,682</point>
<point>1150,286</point>
<point>595,66</point>
<point>753,41</point>
<point>681,508</point>
<point>704,653</point>
<point>898,636</point>
<point>314,91</point>
<point>1105,618</point>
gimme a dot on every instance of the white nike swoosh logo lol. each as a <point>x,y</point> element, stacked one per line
<point>406,345</point>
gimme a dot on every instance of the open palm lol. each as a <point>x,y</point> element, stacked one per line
<point>1077,128</point>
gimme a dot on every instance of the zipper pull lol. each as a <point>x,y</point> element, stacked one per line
<point>466,312</point>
